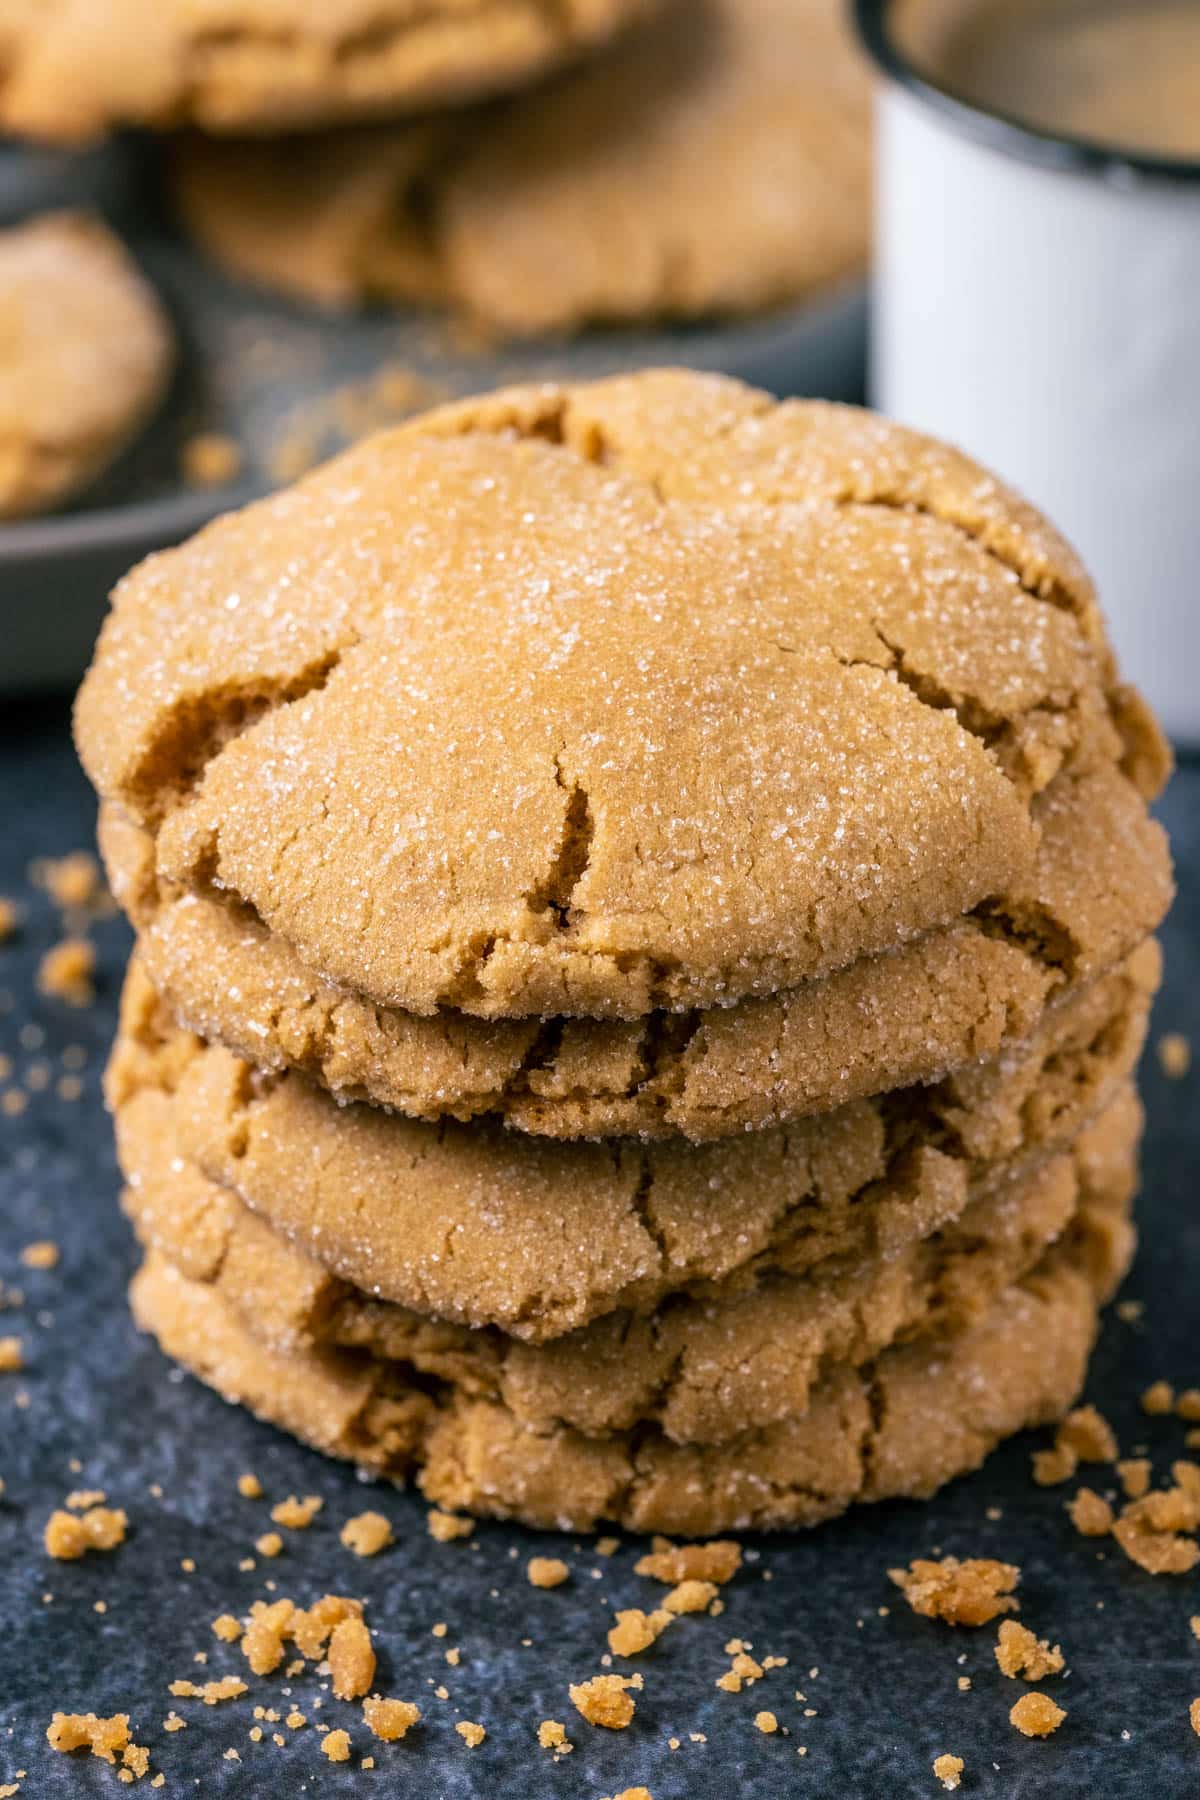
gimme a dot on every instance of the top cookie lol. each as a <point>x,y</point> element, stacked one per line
<point>85,353</point>
<point>74,68</point>
<point>586,701</point>
<point>716,160</point>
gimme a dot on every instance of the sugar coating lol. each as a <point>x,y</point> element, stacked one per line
<point>695,732</point>
<point>73,73</point>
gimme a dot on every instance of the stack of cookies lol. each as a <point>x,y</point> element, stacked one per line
<point>644,902</point>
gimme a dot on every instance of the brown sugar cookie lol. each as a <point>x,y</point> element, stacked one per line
<point>902,1425</point>
<point>591,701</point>
<point>953,997</point>
<point>703,1369</point>
<point>485,1227</point>
<point>85,353</point>
<point>75,68</point>
<point>715,161</point>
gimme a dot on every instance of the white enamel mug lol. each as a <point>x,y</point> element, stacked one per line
<point>1037,302</point>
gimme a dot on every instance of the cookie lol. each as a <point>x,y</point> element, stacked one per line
<point>716,161</point>
<point>703,1370</point>
<point>902,1425</point>
<point>650,694</point>
<point>85,355</point>
<point>479,1226</point>
<point>79,67</point>
<point>953,997</point>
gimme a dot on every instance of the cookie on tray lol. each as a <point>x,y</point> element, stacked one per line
<point>85,355</point>
<point>80,67</point>
<point>715,161</point>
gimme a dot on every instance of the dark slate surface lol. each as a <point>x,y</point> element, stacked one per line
<point>885,1698</point>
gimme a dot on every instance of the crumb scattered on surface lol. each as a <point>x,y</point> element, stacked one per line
<point>226,1687</point>
<point>552,1735</point>
<point>227,1628</point>
<point>74,882</point>
<point>691,1596</point>
<point>67,972</point>
<point>68,1536</point>
<point>606,1700</point>
<point>970,1592</point>
<point>270,1544</point>
<point>948,1770</point>
<point>351,1659</point>
<point>547,1571</point>
<point>1036,1715</point>
<point>1052,1467</point>
<point>1158,1398</point>
<point>1174,1055</point>
<point>1187,1404</point>
<point>249,1486</point>
<point>1134,1475</point>
<point>717,1561</point>
<point>44,1254</point>
<point>1088,1433</point>
<point>1020,1652</point>
<point>471,1734</point>
<point>211,459</point>
<point>336,1746</point>
<point>295,1514</point>
<point>367,1534</point>
<point>446,1527</point>
<point>10,919</point>
<point>390,1719</point>
<point>12,1356</point>
<point>1091,1514</point>
<point>1194,1716</point>
<point>106,1738</point>
<point>635,1630</point>
<point>766,1722</point>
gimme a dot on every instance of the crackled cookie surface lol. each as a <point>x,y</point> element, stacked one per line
<point>479,1226</point>
<point>590,701</point>
<point>952,997</point>
<point>715,161</point>
<point>901,1425</point>
<point>703,1368</point>
<point>85,353</point>
<point>72,68</point>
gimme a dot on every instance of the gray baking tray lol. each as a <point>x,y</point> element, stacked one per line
<point>258,369</point>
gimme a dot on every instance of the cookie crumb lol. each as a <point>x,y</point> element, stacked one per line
<point>1174,1055</point>
<point>227,1628</point>
<point>211,459</point>
<point>605,1700</point>
<point>717,1561</point>
<point>249,1487</point>
<point>635,1630</point>
<point>552,1735</point>
<point>1020,1652</point>
<point>66,972</point>
<point>351,1659</point>
<point>471,1734</point>
<point>270,1544</point>
<point>1158,1398</point>
<point>41,1255</point>
<point>67,1536</point>
<point>1035,1715</point>
<point>1088,1433</point>
<point>1091,1514</point>
<point>691,1596</point>
<point>1134,1476</point>
<point>12,1356</point>
<point>390,1719</point>
<point>970,1592</point>
<point>1194,1716</point>
<point>1052,1467</point>
<point>228,1687</point>
<point>948,1770</point>
<point>105,1738</point>
<point>73,882</point>
<point>547,1571</point>
<point>367,1534</point>
<point>446,1527</point>
<point>766,1722</point>
<point>10,919</point>
<point>297,1515</point>
<point>336,1746</point>
<point>1187,1404</point>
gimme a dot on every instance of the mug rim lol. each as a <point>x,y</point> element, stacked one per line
<point>1004,131</point>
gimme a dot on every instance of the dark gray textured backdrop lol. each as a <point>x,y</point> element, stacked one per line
<point>886,1695</point>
